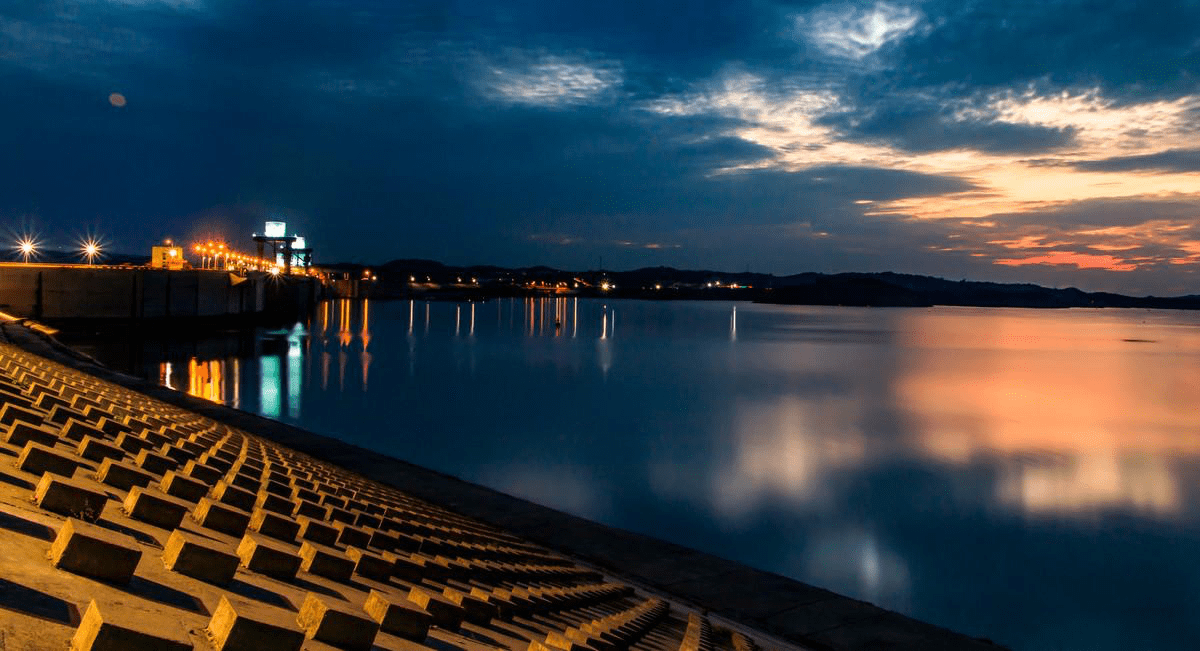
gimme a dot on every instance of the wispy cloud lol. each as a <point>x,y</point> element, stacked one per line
<point>552,81</point>
<point>855,32</point>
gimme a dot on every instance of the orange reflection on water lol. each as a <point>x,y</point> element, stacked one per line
<point>1082,411</point>
<point>206,379</point>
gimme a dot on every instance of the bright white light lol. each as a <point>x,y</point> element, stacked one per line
<point>275,229</point>
<point>90,249</point>
<point>28,247</point>
<point>274,271</point>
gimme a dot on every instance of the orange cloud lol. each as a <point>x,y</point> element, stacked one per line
<point>1080,260</point>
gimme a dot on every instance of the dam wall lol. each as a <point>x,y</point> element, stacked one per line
<point>61,293</point>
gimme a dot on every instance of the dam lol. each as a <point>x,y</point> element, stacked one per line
<point>57,293</point>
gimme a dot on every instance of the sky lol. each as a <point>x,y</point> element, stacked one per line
<point>1054,142</point>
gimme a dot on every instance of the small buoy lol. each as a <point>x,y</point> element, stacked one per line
<point>117,100</point>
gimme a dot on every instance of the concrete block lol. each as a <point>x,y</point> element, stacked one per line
<point>257,554</point>
<point>115,630</point>
<point>157,439</point>
<point>112,427</point>
<point>317,531</point>
<point>80,403</point>
<point>251,465</point>
<point>59,415</point>
<point>310,510</point>
<point>48,401</point>
<point>404,542</point>
<point>278,488</point>
<point>212,460</point>
<point>154,463</point>
<point>132,443</point>
<point>409,567</point>
<point>445,614</point>
<point>122,475</point>
<point>200,559</point>
<point>325,561</point>
<point>382,541</point>
<point>233,496</point>
<point>37,459</point>
<point>200,472</point>
<point>305,494</point>
<point>95,552</point>
<point>333,501</point>
<point>154,507</point>
<point>273,525</point>
<point>69,497</point>
<point>185,488</point>
<point>137,424</point>
<point>246,626</point>
<point>178,454</point>
<point>400,618</point>
<point>275,503</point>
<point>367,520</point>
<point>11,395</point>
<point>221,517</point>
<point>351,536</point>
<point>193,447</point>
<point>20,432</point>
<point>341,515</point>
<point>476,609</point>
<point>94,449</point>
<point>246,482</point>
<point>369,565</point>
<point>325,620</point>
<point>12,412</point>
<point>374,508</point>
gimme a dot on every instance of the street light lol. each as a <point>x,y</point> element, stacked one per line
<point>28,248</point>
<point>90,249</point>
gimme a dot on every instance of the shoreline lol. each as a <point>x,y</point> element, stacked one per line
<point>792,611</point>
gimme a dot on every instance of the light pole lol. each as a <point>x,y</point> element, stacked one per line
<point>28,247</point>
<point>90,250</point>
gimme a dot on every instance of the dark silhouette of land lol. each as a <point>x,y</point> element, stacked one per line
<point>431,279</point>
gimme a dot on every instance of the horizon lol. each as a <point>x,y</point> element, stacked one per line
<point>828,136</point>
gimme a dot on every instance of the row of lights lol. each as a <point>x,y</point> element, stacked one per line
<point>218,250</point>
<point>89,249</point>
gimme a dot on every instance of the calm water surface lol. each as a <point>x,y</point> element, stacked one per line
<point>1029,476</point>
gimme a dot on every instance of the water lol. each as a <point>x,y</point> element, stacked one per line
<point>1029,476</point>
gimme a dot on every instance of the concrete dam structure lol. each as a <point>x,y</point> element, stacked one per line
<point>71,292</point>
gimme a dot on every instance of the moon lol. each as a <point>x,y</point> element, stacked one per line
<point>117,100</point>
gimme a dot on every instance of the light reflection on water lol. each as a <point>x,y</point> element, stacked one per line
<point>1029,476</point>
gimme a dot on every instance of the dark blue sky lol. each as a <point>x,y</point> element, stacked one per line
<point>1054,142</point>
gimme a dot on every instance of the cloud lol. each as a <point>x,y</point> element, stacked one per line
<point>1078,260</point>
<point>1133,52</point>
<point>175,4</point>
<point>1172,160</point>
<point>928,127</point>
<point>552,82</point>
<point>844,30</point>
<point>919,137</point>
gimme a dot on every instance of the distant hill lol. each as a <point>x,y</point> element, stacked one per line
<point>886,289</point>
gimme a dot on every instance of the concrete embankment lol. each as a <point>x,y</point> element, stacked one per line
<point>77,292</point>
<point>785,610</point>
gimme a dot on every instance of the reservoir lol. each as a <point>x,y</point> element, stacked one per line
<point>1030,476</point>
